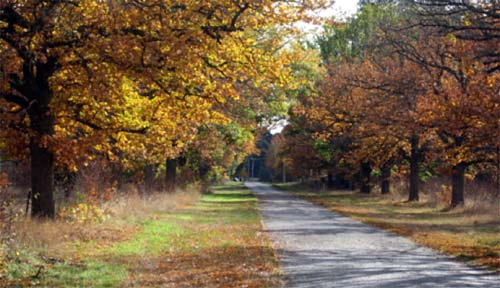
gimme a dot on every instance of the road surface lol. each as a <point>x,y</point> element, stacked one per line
<point>319,248</point>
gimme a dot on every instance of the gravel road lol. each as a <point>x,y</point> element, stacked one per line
<point>319,248</point>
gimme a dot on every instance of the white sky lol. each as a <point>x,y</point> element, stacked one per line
<point>277,127</point>
<point>340,10</point>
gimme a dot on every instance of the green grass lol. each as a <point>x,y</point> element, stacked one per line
<point>237,196</point>
<point>25,264</point>
<point>91,274</point>
<point>229,204</point>
<point>156,236</point>
<point>28,269</point>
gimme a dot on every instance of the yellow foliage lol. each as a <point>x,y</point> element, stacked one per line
<point>82,213</point>
<point>137,81</point>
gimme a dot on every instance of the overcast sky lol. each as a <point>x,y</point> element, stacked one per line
<point>341,8</point>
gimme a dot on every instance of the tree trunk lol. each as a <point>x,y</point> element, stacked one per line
<point>149,177</point>
<point>457,190</point>
<point>353,180</point>
<point>283,172</point>
<point>42,161</point>
<point>385,186</point>
<point>330,182</point>
<point>171,175</point>
<point>341,182</point>
<point>366,171</point>
<point>498,171</point>
<point>352,185</point>
<point>42,182</point>
<point>203,170</point>
<point>35,100</point>
<point>415,159</point>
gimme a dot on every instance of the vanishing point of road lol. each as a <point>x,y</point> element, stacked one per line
<point>319,248</point>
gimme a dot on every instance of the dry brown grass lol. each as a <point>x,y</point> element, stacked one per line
<point>122,214</point>
<point>144,206</point>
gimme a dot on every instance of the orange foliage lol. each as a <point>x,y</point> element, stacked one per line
<point>4,180</point>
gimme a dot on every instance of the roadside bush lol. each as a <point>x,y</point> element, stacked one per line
<point>82,213</point>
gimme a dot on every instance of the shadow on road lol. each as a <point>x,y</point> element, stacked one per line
<point>319,248</point>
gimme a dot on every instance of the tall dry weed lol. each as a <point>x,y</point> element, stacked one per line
<point>141,206</point>
<point>125,209</point>
<point>482,198</point>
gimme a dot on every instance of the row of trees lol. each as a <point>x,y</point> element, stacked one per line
<point>406,84</point>
<point>137,82</point>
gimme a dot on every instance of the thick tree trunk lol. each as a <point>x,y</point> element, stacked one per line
<point>385,185</point>
<point>366,171</point>
<point>415,159</point>
<point>36,97</point>
<point>171,175</point>
<point>42,182</point>
<point>458,180</point>
<point>42,162</point>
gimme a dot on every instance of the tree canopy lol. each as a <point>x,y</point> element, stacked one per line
<point>129,79</point>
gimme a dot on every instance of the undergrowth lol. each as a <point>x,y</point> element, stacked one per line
<point>167,240</point>
<point>36,252</point>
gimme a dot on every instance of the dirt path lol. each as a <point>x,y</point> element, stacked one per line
<point>319,248</point>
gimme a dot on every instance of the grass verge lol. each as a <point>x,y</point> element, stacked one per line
<point>472,237</point>
<point>214,242</point>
